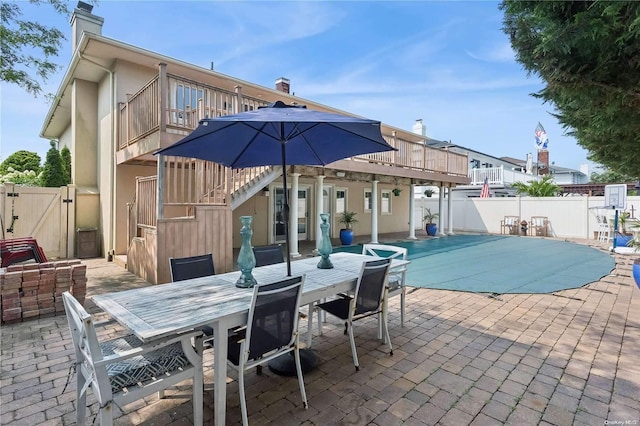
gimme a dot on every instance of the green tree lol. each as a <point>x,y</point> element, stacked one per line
<point>28,47</point>
<point>537,188</point>
<point>65,155</point>
<point>588,54</point>
<point>21,161</point>
<point>52,174</point>
<point>610,176</point>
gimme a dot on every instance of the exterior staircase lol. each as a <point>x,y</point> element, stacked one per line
<point>255,185</point>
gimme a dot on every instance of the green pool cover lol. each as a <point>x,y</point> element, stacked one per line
<point>501,264</point>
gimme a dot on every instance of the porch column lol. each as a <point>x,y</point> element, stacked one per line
<point>160,189</point>
<point>440,205</point>
<point>374,211</point>
<point>450,211</point>
<point>319,209</point>
<point>412,213</point>
<point>293,215</point>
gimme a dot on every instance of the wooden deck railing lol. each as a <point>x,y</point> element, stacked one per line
<point>145,202</point>
<point>189,101</point>
<point>190,182</point>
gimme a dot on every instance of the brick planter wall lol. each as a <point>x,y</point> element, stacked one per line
<point>35,290</point>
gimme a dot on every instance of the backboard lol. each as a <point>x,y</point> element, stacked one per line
<point>615,197</point>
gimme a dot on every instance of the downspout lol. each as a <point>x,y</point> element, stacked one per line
<point>112,101</point>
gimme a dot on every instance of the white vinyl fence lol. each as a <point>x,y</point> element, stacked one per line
<point>569,217</point>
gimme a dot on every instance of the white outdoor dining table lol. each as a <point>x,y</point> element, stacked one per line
<point>161,310</point>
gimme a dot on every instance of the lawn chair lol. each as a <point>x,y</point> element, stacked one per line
<point>367,300</point>
<point>397,276</point>
<point>124,370</point>
<point>510,225</point>
<point>539,226</point>
<point>272,331</point>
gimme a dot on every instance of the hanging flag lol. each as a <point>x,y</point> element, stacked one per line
<point>485,189</point>
<point>541,137</point>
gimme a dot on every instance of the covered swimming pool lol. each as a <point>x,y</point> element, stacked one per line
<point>500,264</point>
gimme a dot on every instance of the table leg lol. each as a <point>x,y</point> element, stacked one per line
<point>310,325</point>
<point>220,348</point>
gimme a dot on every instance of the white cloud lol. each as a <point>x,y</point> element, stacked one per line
<point>497,53</point>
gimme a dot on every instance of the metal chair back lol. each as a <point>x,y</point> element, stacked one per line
<point>268,255</point>
<point>186,268</point>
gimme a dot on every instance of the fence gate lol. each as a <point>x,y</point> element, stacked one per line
<point>46,214</point>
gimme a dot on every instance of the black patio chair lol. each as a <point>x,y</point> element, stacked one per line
<point>268,255</point>
<point>186,268</point>
<point>272,331</point>
<point>367,300</point>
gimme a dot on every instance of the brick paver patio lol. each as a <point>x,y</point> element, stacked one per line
<point>569,358</point>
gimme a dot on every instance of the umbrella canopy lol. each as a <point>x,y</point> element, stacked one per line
<point>280,134</point>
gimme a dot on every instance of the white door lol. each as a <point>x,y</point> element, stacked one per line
<point>341,207</point>
<point>278,214</point>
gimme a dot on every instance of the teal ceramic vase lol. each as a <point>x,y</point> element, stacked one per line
<point>325,243</point>
<point>246,258</point>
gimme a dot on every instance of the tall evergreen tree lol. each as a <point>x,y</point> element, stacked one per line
<point>53,175</point>
<point>588,54</point>
<point>65,154</point>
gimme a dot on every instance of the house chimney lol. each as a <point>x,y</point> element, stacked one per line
<point>82,20</point>
<point>419,128</point>
<point>543,162</point>
<point>282,84</point>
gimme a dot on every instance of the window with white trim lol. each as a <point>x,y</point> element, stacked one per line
<point>385,201</point>
<point>341,201</point>
<point>367,200</point>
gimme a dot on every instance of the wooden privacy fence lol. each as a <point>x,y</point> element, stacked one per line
<point>45,214</point>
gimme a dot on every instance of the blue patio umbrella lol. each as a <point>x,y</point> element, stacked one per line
<point>280,134</point>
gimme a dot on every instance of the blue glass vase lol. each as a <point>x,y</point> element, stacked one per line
<point>246,258</point>
<point>325,243</point>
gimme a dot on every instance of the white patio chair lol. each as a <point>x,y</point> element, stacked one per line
<point>124,369</point>
<point>603,228</point>
<point>367,300</point>
<point>397,276</point>
<point>272,331</point>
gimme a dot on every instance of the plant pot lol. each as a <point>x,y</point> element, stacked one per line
<point>346,237</point>
<point>636,272</point>
<point>622,240</point>
<point>431,229</point>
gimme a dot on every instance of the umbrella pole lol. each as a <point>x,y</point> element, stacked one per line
<point>286,207</point>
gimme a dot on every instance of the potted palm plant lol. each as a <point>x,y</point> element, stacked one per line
<point>623,237</point>
<point>430,226</point>
<point>346,234</point>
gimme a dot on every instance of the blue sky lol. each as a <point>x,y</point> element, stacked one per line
<point>445,62</point>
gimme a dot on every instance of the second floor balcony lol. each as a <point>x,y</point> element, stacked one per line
<point>498,176</point>
<point>169,107</point>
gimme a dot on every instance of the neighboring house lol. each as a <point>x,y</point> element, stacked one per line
<point>565,176</point>
<point>500,172</point>
<point>117,104</point>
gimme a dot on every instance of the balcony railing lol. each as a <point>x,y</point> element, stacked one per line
<point>499,176</point>
<point>187,102</point>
